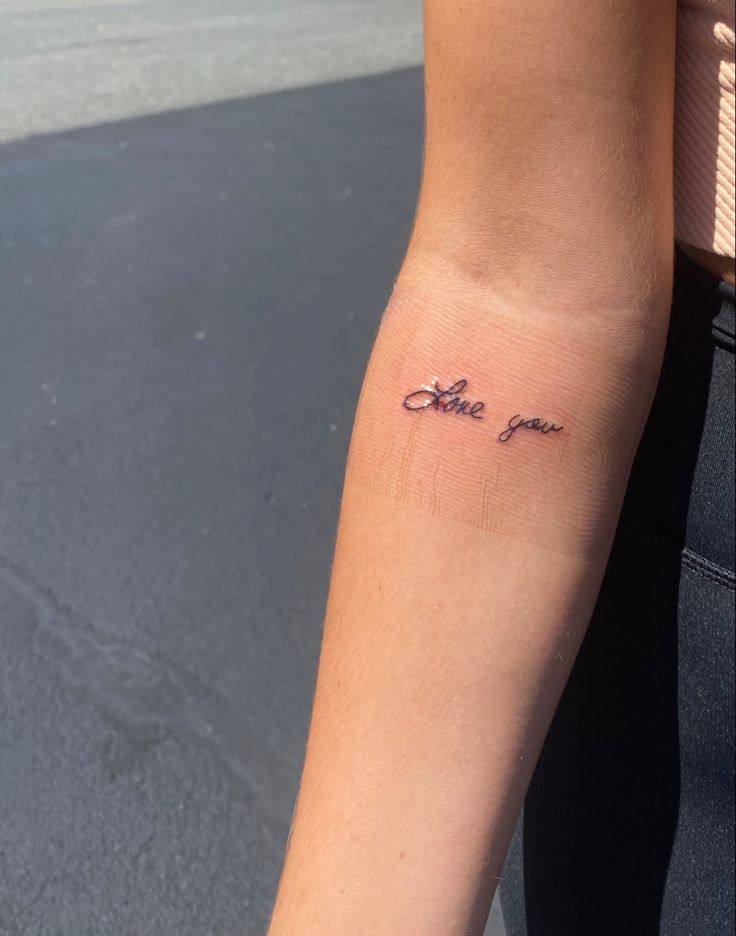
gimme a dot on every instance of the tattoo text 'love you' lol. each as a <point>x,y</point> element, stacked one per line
<point>452,401</point>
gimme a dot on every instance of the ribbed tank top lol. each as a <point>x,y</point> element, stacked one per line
<point>704,126</point>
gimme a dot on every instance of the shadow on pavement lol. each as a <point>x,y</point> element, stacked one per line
<point>188,304</point>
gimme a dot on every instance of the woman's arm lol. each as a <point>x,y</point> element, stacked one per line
<point>473,539</point>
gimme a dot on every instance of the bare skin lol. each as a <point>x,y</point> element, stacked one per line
<point>537,282</point>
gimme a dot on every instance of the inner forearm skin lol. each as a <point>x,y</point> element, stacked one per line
<point>470,456</point>
<point>466,569</point>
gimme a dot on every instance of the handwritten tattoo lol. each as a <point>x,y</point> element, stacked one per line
<point>445,401</point>
<point>451,400</point>
<point>518,422</point>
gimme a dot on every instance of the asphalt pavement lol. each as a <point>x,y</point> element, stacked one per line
<point>192,274</point>
<point>69,63</point>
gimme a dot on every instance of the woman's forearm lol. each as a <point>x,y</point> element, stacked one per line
<point>473,539</point>
<point>471,546</point>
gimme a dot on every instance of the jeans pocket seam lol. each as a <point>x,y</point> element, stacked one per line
<point>709,570</point>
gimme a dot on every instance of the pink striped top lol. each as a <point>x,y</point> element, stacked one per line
<point>704,125</point>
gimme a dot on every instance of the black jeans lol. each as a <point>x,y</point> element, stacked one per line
<point>628,825</point>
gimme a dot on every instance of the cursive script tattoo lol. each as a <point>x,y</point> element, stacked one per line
<point>451,400</point>
<point>518,422</point>
<point>444,401</point>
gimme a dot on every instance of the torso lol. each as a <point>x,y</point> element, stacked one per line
<point>723,267</point>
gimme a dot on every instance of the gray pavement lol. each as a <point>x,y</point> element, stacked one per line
<point>167,502</point>
<point>68,63</point>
